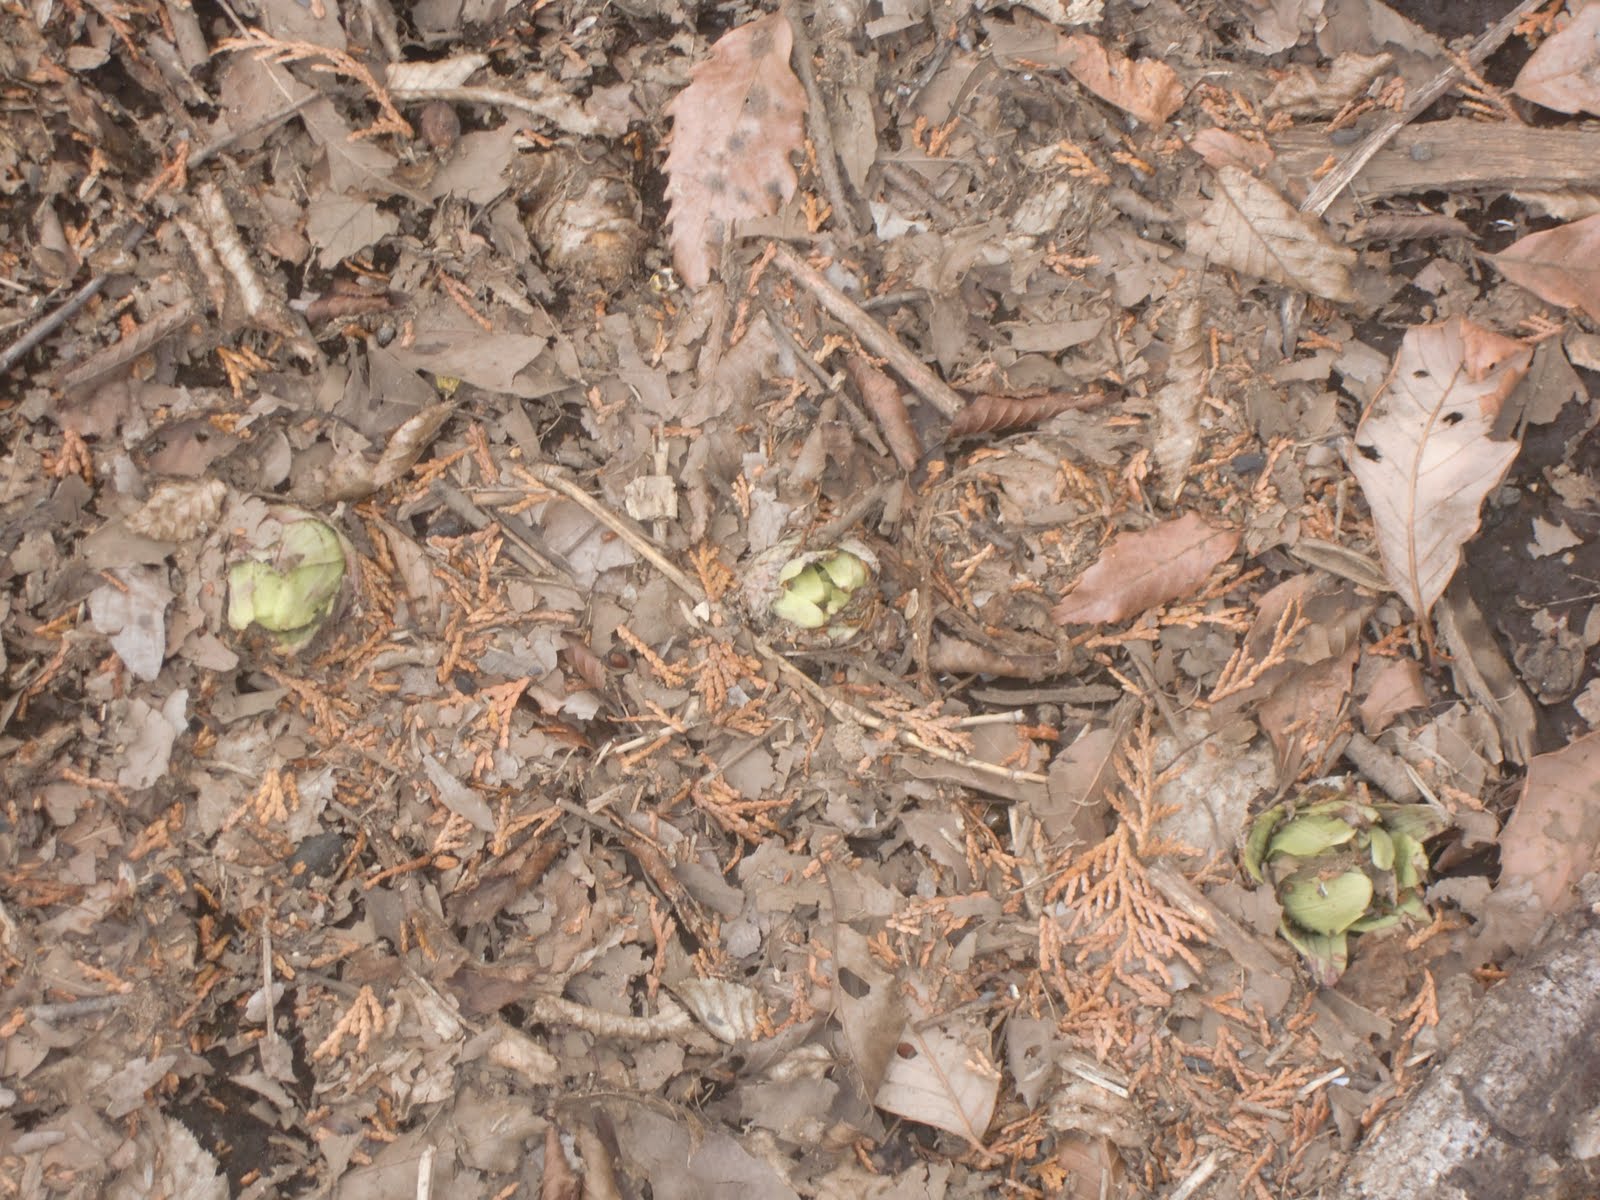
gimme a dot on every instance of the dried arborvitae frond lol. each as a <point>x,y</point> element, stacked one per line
<point>992,414</point>
<point>323,58</point>
<point>1116,911</point>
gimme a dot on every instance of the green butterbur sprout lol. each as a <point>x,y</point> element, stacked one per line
<point>815,589</point>
<point>1340,866</point>
<point>293,594</point>
<point>846,571</point>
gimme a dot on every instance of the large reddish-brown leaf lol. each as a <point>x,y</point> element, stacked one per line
<point>1141,570</point>
<point>733,129</point>
<point>1564,72</point>
<point>1147,88</point>
<point>1423,454</point>
<point>1561,265</point>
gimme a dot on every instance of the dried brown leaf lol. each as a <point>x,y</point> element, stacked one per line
<point>882,397</point>
<point>408,442</point>
<point>1178,430</point>
<point>1141,570</point>
<point>734,127</point>
<point>1564,72</point>
<point>1305,90</point>
<point>560,1181</point>
<point>585,663</point>
<point>179,509</point>
<point>1252,229</point>
<point>953,656</point>
<point>941,1076</point>
<point>1148,88</point>
<point>1553,837</point>
<point>1560,266</point>
<point>991,413</point>
<point>1223,148</point>
<point>1423,454</point>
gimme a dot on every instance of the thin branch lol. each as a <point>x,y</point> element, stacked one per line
<point>870,334</point>
<point>1329,187</point>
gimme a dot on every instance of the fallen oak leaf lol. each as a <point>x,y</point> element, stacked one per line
<point>733,129</point>
<point>1423,455</point>
<point>1139,571</point>
<point>1561,266</point>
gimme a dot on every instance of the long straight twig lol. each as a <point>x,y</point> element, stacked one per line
<point>870,334</point>
<point>1338,179</point>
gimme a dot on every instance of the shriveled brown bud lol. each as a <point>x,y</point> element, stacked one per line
<point>439,125</point>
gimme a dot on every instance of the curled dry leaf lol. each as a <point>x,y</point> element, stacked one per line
<point>353,476</point>
<point>1564,72</point>
<point>1141,570</point>
<point>733,129</point>
<point>953,656</point>
<point>560,1181</point>
<point>1423,455</point>
<point>1305,90</point>
<point>882,397</point>
<point>407,79</point>
<point>991,414</point>
<point>1560,266</point>
<point>343,301</point>
<point>1252,229</point>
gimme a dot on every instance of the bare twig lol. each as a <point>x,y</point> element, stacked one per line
<point>670,1022</point>
<point>1338,179</point>
<point>532,558</point>
<point>1242,946</point>
<point>821,129</point>
<point>555,479</point>
<point>51,322</point>
<point>123,351</point>
<point>872,335</point>
<point>1197,1178</point>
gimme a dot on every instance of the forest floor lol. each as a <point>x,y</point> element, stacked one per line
<point>660,600</point>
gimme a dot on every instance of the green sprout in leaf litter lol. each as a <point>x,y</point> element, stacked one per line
<point>291,595</point>
<point>1340,865</point>
<point>814,589</point>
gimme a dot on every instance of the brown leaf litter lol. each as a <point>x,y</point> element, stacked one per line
<point>1149,406</point>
